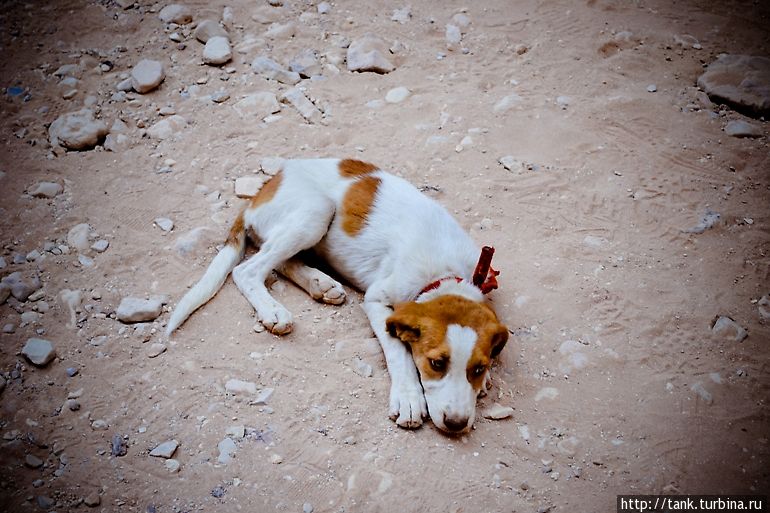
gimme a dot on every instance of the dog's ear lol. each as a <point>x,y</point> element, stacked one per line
<point>499,340</point>
<point>404,324</point>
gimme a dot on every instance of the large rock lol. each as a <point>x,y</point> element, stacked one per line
<point>741,81</point>
<point>369,53</point>
<point>134,309</point>
<point>45,190</point>
<point>207,29</point>
<point>20,287</point>
<point>38,351</point>
<point>176,13</point>
<point>147,75</point>
<point>259,105</point>
<point>167,128</point>
<point>77,130</point>
<point>217,51</point>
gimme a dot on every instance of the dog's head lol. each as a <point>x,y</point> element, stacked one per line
<point>453,340</point>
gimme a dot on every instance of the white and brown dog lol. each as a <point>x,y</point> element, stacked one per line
<point>386,238</point>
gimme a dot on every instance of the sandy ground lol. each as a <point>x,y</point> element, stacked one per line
<point>618,383</point>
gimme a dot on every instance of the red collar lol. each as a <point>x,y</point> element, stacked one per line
<point>484,276</point>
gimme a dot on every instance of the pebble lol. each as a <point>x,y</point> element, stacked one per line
<point>652,88</point>
<point>453,36</point>
<point>402,15</point>
<point>726,327</point>
<point>164,223</point>
<point>461,20</point>
<point>28,318</point>
<point>397,95</point>
<point>9,328</point>
<point>324,8</point>
<point>506,103</point>
<point>100,246</point>
<point>260,105</point>
<point>100,425</point>
<point>740,128</point>
<point>220,96</point>
<point>118,446</point>
<point>268,68</point>
<point>33,461</point>
<point>165,450</point>
<point>238,387</point>
<point>741,81</point>
<point>71,300</point>
<point>207,29</point>
<point>297,99</point>
<point>156,350</point>
<point>248,186</point>
<point>72,404</point>
<point>78,130</point>
<point>45,503</point>
<point>264,395</point>
<point>497,412</point>
<point>172,465</point>
<point>31,257</point>
<point>276,459</point>
<point>227,450</point>
<point>167,128</point>
<point>38,351</point>
<point>272,165</point>
<point>369,53</point>
<point>563,102</point>
<point>708,220</point>
<point>218,492</point>
<point>72,371</point>
<point>217,51</point>
<point>511,164</point>
<point>306,63</point>
<point>307,508</point>
<point>147,75</point>
<point>92,500</point>
<point>46,190</point>
<point>78,236</point>
<point>523,432</point>
<point>134,309</point>
<point>176,13</point>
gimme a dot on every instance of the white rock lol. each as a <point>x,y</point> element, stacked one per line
<point>167,127</point>
<point>217,51</point>
<point>207,29</point>
<point>38,351</point>
<point>77,130</point>
<point>268,68</point>
<point>78,237</point>
<point>726,327</point>
<point>165,450</point>
<point>227,449</point>
<point>257,105</point>
<point>740,128</point>
<point>134,309</point>
<point>176,13</point>
<point>71,300</point>
<point>402,15</point>
<point>511,163</point>
<point>297,99</point>
<point>100,425</point>
<point>497,412</point>
<point>397,95</point>
<point>247,186</point>
<point>156,350</point>
<point>172,465</point>
<point>164,223</point>
<point>238,387</point>
<point>116,142</point>
<point>369,53</point>
<point>281,30</point>
<point>652,88</point>
<point>453,36</point>
<point>272,165</point>
<point>324,8</point>
<point>306,63</point>
<point>100,246</point>
<point>264,395</point>
<point>46,190</point>
<point>147,75</point>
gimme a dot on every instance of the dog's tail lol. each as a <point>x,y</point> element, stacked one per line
<point>212,280</point>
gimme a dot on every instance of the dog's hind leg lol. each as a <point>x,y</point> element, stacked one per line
<point>318,284</point>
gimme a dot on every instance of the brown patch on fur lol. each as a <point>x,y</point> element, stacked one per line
<point>350,168</point>
<point>357,203</point>
<point>423,326</point>
<point>267,191</point>
<point>237,235</point>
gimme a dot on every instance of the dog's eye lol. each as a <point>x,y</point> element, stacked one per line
<point>438,365</point>
<point>478,370</point>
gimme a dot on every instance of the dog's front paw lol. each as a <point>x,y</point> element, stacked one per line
<point>276,319</point>
<point>407,405</point>
<point>327,291</point>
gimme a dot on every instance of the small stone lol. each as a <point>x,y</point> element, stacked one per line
<point>258,105</point>
<point>324,8</point>
<point>45,503</point>
<point>652,88</point>
<point>9,328</point>
<point>147,75</point>
<point>276,459</point>
<point>704,394</point>
<point>306,63</point>
<point>453,36</point>
<point>506,103</point>
<point>176,13</point>
<point>172,465</point>
<point>402,15</point>
<point>100,425</point>
<point>100,246</point>
<point>763,305</point>
<point>33,461</point>
<point>31,257</point>
<point>264,395</point>
<point>218,492</point>
<point>727,328</point>
<point>217,51</point>
<point>307,508</point>
<point>397,95</point>
<point>125,85</point>
<point>92,500</point>
<point>78,130</point>
<point>708,220</point>
<point>272,165</point>
<point>248,186</point>
<point>368,53</point>
<point>220,96</point>
<point>118,446</point>
<point>512,164</point>
<point>38,351</point>
<point>72,404</point>
<point>133,309</point>
<point>72,371</point>
<point>462,21</point>
<point>165,450</point>
<point>167,128</point>
<point>271,70</point>
<point>208,29</point>
<point>281,30</point>
<point>164,223</point>
<point>227,450</point>
<point>156,350</point>
<point>236,432</point>
<point>85,261</point>
<point>497,412</point>
<point>563,102</point>
<point>740,128</point>
<point>238,387</point>
<point>78,236</point>
<point>46,190</point>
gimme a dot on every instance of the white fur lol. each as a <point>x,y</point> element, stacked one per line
<point>408,241</point>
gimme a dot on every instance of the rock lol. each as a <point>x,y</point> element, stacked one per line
<point>147,75</point>
<point>307,508</point>
<point>497,412</point>
<point>369,53</point>
<point>563,102</point>
<point>33,461</point>
<point>156,350</point>
<point>167,127</point>
<point>506,103</point>
<point>118,446</point>
<point>324,8</point>
<point>462,21</point>
<point>258,105</point>
<point>134,309</point>
<point>276,459</point>
<point>72,404</point>
<point>272,165</point>
<point>165,450</point>
<point>217,51</point>
<point>72,371</point>
<point>726,327</point>
<point>763,305</point>
<point>453,36</point>
<point>397,95</point>
<point>708,220</point>
<point>32,255</point>
<point>46,190</point>
<point>78,237</point>
<point>38,351</point>
<point>100,425</point>
<point>306,63</point>
<point>281,30</point>
<point>740,128</point>
<point>652,88</point>
<point>77,130</point>
<point>207,29</point>
<point>248,186</point>
<point>220,96</point>
<point>511,164</point>
<point>236,431</point>
<point>741,81</point>
<point>227,450</point>
<point>164,223</point>
<point>5,292</point>
<point>115,142</point>
<point>92,500</point>
<point>362,368</point>
<point>28,318</point>
<point>100,246</point>
<point>172,465</point>
<point>297,99</point>
<point>238,387</point>
<point>45,503</point>
<point>176,13</point>
<point>402,15</point>
<point>268,68</point>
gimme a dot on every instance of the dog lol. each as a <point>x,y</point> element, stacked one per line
<point>423,278</point>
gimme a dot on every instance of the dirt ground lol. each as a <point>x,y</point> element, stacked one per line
<point>618,383</point>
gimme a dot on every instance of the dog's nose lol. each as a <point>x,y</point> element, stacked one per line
<point>455,424</point>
